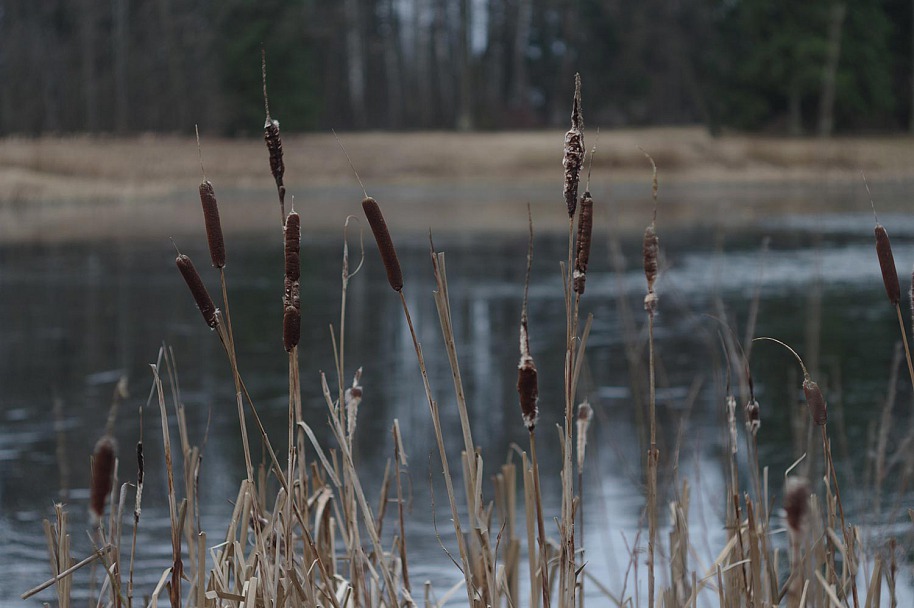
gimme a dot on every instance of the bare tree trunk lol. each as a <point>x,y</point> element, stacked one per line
<point>392,59</point>
<point>495,64</point>
<point>519,88</point>
<point>176,99</point>
<point>559,110</point>
<point>827,98</point>
<point>794,116</point>
<point>911,118</point>
<point>356,63</point>
<point>120,13</point>
<point>422,20</point>
<point>87,31</point>
<point>443,59</point>
<point>465,72</point>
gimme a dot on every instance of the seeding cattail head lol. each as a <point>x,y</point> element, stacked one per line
<point>887,265</point>
<point>816,402</point>
<point>650,251</point>
<point>197,289</point>
<point>274,147</point>
<point>293,246</point>
<point>574,151</point>
<point>585,415</point>
<point>753,418</point>
<point>528,390</point>
<point>103,458</point>
<point>585,231</point>
<point>212,223</point>
<point>291,328</point>
<point>796,504</point>
<point>385,243</point>
<point>352,398</point>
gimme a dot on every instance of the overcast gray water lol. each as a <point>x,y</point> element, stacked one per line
<point>74,318</point>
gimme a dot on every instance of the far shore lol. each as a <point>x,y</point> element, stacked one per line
<point>55,189</point>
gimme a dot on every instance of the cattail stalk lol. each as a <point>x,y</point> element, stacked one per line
<point>893,287</point>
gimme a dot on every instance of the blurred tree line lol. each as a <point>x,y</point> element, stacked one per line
<point>791,66</point>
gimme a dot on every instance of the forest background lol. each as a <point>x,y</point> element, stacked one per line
<point>135,66</point>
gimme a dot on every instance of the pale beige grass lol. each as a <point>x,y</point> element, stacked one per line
<point>83,187</point>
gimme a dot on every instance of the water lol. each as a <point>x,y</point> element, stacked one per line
<point>77,317</point>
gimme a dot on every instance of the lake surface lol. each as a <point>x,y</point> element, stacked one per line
<point>76,317</point>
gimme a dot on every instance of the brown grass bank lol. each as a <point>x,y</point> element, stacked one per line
<point>84,187</point>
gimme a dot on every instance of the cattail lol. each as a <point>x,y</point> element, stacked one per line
<point>212,223</point>
<point>585,415</point>
<point>651,250</point>
<point>293,246</point>
<point>291,327</point>
<point>197,289</point>
<point>528,390</point>
<point>816,402</point>
<point>352,398</point>
<point>274,147</point>
<point>140,475</point>
<point>385,244</point>
<point>102,475</point>
<point>753,418</point>
<point>585,230</point>
<point>887,265</point>
<point>574,150</point>
<point>796,504</point>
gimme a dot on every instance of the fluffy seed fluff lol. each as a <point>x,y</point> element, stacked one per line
<point>796,504</point>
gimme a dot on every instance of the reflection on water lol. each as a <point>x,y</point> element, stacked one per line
<point>76,317</point>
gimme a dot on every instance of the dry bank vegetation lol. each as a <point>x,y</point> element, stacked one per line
<point>304,532</point>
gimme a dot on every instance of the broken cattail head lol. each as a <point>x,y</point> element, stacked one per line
<point>574,151</point>
<point>753,418</point>
<point>651,250</point>
<point>887,265</point>
<point>528,390</point>
<point>816,402</point>
<point>212,223</point>
<point>796,504</point>
<point>293,246</point>
<point>103,458</point>
<point>585,231</point>
<point>291,328</point>
<point>197,289</point>
<point>385,243</point>
<point>585,415</point>
<point>274,147</point>
<point>352,398</point>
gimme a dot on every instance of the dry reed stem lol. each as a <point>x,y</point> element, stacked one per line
<point>527,383</point>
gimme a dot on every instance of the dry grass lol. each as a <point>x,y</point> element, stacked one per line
<point>86,187</point>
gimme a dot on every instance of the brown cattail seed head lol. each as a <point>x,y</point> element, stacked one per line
<point>796,504</point>
<point>887,265</point>
<point>197,289</point>
<point>385,244</point>
<point>528,390</point>
<point>753,418</point>
<point>212,223</point>
<point>585,230</point>
<point>102,475</point>
<point>274,147</point>
<point>574,151</point>
<point>293,246</point>
<point>816,402</point>
<point>291,328</point>
<point>651,250</point>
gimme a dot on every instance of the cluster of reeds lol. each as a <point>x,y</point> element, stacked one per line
<point>303,531</point>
